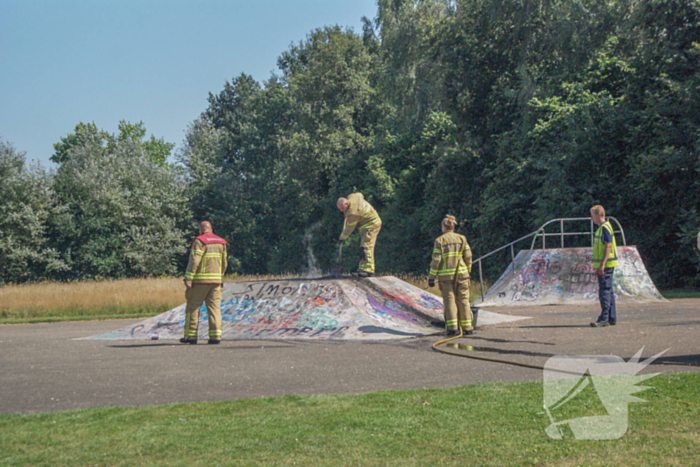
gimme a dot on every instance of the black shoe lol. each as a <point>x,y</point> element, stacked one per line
<point>363,274</point>
<point>467,332</point>
<point>599,324</point>
<point>214,341</point>
<point>452,333</point>
<point>188,341</point>
<point>612,322</point>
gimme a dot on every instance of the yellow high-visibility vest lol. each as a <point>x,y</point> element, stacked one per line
<point>599,247</point>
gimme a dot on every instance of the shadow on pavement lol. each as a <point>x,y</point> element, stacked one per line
<point>177,344</point>
<point>556,326</point>
<point>690,360</point>
<point>508,341</point>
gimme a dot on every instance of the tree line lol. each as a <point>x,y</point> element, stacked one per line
<point>504,113</point>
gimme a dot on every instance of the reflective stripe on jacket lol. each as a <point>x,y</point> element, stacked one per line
<point>599,247</point>
<point>451,254</point>
<point>208,260</point>
<point>359,214</point>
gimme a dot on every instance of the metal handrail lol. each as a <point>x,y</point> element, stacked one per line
<point>541,232</point>
<point>562,234</point>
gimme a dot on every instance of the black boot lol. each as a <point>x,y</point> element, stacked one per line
<point>188,341</point>
<point>363,274</point>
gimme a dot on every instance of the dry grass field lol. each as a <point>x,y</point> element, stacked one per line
<point>126,298</point>
<point>103,299</point>
<point>127,293</point>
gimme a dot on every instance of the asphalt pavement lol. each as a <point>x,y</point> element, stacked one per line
<point>44,369</point>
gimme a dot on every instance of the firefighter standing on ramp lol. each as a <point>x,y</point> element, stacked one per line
<point>359,213</point>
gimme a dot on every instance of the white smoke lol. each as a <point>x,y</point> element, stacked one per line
<point>312,269</point>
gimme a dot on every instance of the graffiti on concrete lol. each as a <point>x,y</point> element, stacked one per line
<point>357,309</point>
<point>558,276</point>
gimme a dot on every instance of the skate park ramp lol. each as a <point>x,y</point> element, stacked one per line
<point>375,308</point>
<point>566,276</point>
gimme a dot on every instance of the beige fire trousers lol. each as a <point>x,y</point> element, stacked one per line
<point>367,242</point>
<point>455,302</point>
<point>210,294</point>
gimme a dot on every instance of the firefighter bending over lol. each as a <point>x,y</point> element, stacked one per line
<point>359,213</point>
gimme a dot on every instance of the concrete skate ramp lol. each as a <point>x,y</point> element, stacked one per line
<point>566,276</point>
<point>355,309</point>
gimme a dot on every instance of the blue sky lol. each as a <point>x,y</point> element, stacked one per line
<point>67,61</point>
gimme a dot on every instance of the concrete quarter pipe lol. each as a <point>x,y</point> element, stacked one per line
<point>355,309</point>
<point>566,276</point>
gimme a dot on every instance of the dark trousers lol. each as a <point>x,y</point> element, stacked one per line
<point>606,296</point>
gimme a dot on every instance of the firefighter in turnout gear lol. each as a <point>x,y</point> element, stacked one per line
<point>361,215</point>
<point>204,281</point>
<point>451,264</point>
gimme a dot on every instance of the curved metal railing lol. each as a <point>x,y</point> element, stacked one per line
<point>563,234</point>
<point>541,232</point>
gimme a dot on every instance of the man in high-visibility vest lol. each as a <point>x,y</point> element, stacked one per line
<point>359,213</point>
<point>204,279</point>
<point>604,263</point>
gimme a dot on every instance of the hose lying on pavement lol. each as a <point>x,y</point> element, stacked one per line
<point>524,365</point>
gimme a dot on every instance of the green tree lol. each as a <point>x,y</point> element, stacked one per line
<point>88,134</point>
<point>124,210</point>
<point>229,156</point>
<point>280,148</point>
<point>26,203</point>
<point>505,114</point>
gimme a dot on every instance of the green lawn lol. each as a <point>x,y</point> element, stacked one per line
<point>486,424</point>
<point>681,293</point>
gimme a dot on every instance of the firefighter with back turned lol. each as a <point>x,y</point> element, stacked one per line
<point>451,264</point>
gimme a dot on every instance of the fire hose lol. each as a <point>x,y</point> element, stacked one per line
<point>526,365</point>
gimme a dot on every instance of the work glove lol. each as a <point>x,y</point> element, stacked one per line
<point>431,282</point>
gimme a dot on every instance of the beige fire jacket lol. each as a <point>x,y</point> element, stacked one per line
<point>360,214</point>
<point>208,260</point>
<point>451,254</point>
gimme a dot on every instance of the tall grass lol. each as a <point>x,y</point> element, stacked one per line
<point>124,293</point>
<point>91,298</point>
